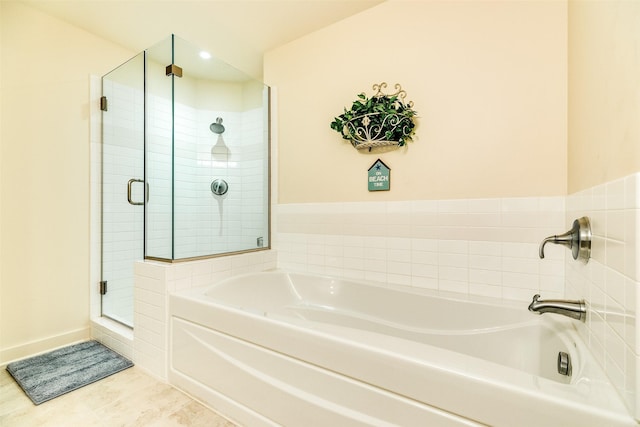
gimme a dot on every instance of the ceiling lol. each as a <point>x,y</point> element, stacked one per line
<point>240,31</point>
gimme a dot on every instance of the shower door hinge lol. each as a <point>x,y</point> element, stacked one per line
<point>173,70</point>
<point>103,103</point>
<point>103,287</point>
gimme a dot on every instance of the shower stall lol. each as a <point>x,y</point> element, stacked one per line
<point>185,164</point>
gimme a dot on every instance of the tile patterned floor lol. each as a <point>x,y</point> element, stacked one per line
<point>128,398</point>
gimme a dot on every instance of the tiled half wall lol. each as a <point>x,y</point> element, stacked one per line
<point>486,247</point>
<point>153,283</point>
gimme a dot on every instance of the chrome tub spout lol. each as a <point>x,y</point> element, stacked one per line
<point>574,309</point>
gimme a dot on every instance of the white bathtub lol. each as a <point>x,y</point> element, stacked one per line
<point>298,350</point>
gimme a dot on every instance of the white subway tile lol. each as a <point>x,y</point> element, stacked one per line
<point>598,249</point>
<point>599,198</point>
<point>520,280</point>
<point>423,219</point>
<point>549,205</point>
<point>615,317</point>
<point>453,206</point>
<point>424,206</point>
<point>615,224</point>
<point>430,258</point>
<point>456,274</point>
<point>615,255</point>
<point>375,242</point>
<point>551,267</point>
<point>424,282</point>
<point>485,248</point>
<point>375,253</point>
<point>554,284</point>
<point>316,259</point>
<point>520,219</point>
<point>485,262</point>
<point>424,270</point>
<point>491,206</point>
<point>453,246</point>
<point>485,277</point>
<point>521,235</point>
<point>452,233</point>
<point>400,255</point>
<point>453,260</point>
<point>425,232</point>
<point>520,250</point>
<point>523,204</point>
<point>631,242</point>
<point>403,208</point>
<point>399,243</point>
<point>474,234</point>
<point>615,195</point>
<point>632,191</point>
<point>426,245</point>
<point>520,265</point>
<point>615,287</point>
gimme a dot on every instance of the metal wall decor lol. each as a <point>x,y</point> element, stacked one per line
<point>385,119</point>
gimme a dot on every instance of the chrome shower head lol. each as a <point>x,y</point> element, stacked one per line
<point>217,127</point>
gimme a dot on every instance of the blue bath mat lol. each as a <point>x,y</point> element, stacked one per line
<point>53,374</point>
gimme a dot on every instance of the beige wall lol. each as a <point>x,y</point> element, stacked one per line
<point>44,154</point>
<point>604,88</point>
<point>488,80</point>
<point>2,327</point>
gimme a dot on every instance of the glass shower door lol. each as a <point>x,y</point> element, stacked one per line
<point>122,186</point>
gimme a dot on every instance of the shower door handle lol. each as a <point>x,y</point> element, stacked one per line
<point>129,184</point>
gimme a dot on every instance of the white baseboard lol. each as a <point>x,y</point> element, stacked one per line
<point>44,345</point>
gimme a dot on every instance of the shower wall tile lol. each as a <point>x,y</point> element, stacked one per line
<point>609,281</point>
<point>485,247</point>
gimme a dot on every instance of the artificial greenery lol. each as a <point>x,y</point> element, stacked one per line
<point>381,117</point>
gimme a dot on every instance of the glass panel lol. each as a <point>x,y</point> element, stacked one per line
<point>221,157</point>
<point>122,161</point>
<point>159,151</point>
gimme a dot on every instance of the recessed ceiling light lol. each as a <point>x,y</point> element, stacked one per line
<point>205,55</point>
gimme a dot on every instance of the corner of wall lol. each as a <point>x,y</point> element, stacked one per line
<point>154,281</point>
<point>609,281</point>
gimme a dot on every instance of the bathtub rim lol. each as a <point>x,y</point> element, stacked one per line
<point>415,290</point>
<point>603,400</point>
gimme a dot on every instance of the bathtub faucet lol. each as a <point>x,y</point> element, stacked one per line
<point>573,309</point>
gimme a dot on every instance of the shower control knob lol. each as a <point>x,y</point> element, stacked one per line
<point>219,187</point>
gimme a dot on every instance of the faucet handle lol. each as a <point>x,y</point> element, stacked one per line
<point>578,239</point>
